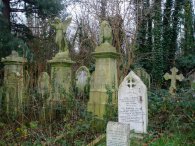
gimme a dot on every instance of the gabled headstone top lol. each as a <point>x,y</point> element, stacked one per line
<point>117,134</point>
<point>133,103</point>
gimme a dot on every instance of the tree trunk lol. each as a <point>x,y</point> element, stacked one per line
<point>6,11</point>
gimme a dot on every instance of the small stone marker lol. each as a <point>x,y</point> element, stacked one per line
<point>117,134</point>
<point>133,103</point>
<point>82,78</point>
<point>174,77</point>
<point>43,83</point>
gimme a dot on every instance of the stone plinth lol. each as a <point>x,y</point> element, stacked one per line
<point>60,75</point>
<point>14,83</point>
<point>105,76</point>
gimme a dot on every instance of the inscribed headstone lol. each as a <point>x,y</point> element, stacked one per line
<point>117,134</point>
<point>82,78</point>
<point>133,103</point>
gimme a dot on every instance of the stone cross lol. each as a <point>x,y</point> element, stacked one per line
<point>173,77</point>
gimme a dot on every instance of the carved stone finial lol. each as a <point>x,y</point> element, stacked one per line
<point>105,32</point>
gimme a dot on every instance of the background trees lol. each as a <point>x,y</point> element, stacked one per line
<point>153,34</point>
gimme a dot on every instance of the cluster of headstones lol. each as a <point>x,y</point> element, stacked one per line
<point>133,108</point>
<point>132,93</point>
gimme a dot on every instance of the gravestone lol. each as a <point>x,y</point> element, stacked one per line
<point>61,69</point>
<point>191,78</point>
<point>82,79</point>
<point>105,74</point>
<point>1,97</point>
<point>117,134</point>
<point>14,83</point>
<point>173,77</point>
<point>145,77</point>
<point>43,83</point>
<point>133,103</point>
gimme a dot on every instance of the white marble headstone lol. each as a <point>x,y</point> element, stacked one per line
<point>133,103</point>
<point>82,78</point>
<point>117,134</point>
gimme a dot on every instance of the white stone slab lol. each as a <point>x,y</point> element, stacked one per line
<point>133,103</point>
<point>82,78</point>
<point>117,134</point>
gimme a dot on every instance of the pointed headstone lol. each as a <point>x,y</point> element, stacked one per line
<point>133,103</point>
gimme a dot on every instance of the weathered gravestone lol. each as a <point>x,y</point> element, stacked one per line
<point>117,134</point>
<point>133,103</point>
<point>44,88</point>
<point>191,78</point>
<point>43,83</point>
<point>105,75</point>
<point>82,79</point>
<point>61,73</point>
<point>14,83</point>
<point>173,77</point>
<point>145,77</point>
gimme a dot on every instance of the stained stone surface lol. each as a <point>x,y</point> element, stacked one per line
<point>173,77</point>
<point>14,82</point>
<point>61,75</point>
<point>44,83</point>
<point>117,134</point>
<point>191,78</point>
<point>133,103</point>
<point>145,77</point>
<point>105,75</point>
<point>82,79</point>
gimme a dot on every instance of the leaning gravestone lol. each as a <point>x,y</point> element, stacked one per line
<point>133,103</point>
<point>117,134</point>
<point>82,79</point>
